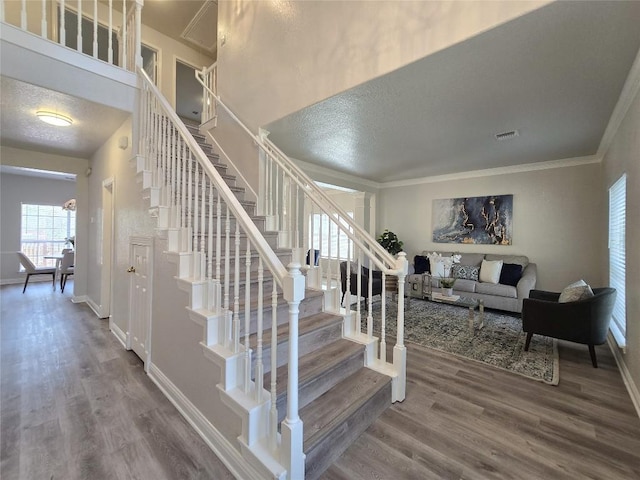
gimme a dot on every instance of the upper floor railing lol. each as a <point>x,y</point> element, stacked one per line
<point>109,31</point>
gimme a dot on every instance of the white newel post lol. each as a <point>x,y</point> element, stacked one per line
<point>291,429</point>
<point>399,350</point>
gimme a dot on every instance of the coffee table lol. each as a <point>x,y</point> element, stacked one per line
<point>472,304</point>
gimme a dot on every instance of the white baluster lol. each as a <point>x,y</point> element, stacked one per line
<point>183,206</point>
<point>196,225</point>
<point>383,322</point>
<point>218,234</point>
<point>43,26</point>
<point>202,225</point>
<point>23,15</point>
<point>210,235</point>
<point>123,39</point>
<point>227,253</point>
<point>370,297</point>
<point>189,200</point>
<point>259,370</point>
<point>138,33</point>
<point>247,318</point>
<point>63,31</point>
<point>110,33</point>
<point>79,37</point>
<point>359,294</point>
<point>236,291</point>
<point>274,368</point>
<point>95,28</point>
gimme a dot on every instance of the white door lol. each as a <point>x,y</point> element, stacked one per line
<point>140,271</point>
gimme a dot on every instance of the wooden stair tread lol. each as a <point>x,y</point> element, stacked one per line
<point>306,325</point>
<point>332,408</point>
<point>315,363</point>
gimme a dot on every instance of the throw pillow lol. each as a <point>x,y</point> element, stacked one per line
<point>579,290</point>
<point>465,272</point>
<point>421,264</point>
<point>490,271</point>
<point>437,268</point>
<point>511,274</point>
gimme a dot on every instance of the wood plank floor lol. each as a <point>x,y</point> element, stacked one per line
<point>465,420</point>
<point>76,405</point>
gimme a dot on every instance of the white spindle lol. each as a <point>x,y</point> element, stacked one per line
<point>383,322</point>
<point>63,31</point>
<point>138,35</point>
<point>247,318</point>
<point>203,258</point>
<point>123,39</point>
<point>79,37</point>
<point>236,291</point>
<point>259,371</point>
<point>110,32</point>
<point>218,233</point>
<point>359,294</point>
<point>183,202</point>
<point>95,28</point>
<point>369,298</point>
<point>210,235</point>
<point>190,162</point>
<point>23,15</point>
<point>227,253</point>
<point>43,25</point>
<point>274,368</point>
<point>196,224</point>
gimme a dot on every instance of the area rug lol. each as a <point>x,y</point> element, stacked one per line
<point>500,343</point>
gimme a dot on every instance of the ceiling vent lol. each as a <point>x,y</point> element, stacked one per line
<point>507,135</point>
<point>202,29</point>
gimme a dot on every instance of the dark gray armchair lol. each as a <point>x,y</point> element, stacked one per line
<point>583,321</point>
<point>364,281</point>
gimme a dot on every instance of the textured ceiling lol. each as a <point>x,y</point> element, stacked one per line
<point>554,74</point>
<point>92,125</point>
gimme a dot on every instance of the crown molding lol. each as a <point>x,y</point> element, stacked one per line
<point>629,91</point>
<point>490,172</point>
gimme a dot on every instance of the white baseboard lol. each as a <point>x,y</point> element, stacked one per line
<point>118,333</point>
<point>624,371</point>
<point>93,306</point>
<point>230,456</point>
<point>79,299</point>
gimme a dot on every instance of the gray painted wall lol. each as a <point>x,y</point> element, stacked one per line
<point>557,219</point>
<point>14,191</point>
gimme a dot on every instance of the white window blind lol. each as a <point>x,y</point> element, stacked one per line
<point>617,221</point>
<point>332,241</point>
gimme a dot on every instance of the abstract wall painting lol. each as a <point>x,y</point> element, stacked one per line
<point>474,220</point>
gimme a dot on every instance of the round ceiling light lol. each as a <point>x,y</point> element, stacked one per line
<point>54,118</point>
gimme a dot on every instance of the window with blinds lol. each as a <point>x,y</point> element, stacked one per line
<point>617,216</point>
<point>327,237</point>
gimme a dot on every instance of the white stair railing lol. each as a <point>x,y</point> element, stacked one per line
<point>231,263</point>
<point>98,15</point>
<point>291,201</point>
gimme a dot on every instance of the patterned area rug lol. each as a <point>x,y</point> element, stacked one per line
<point>500,343</point>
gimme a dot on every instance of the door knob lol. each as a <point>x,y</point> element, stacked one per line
<point>131,269</point>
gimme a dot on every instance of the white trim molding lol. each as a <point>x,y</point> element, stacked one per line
<point>118,333</point>
<point>490,172</point>
<point>230,456</point>
<point>629,91</point>
<point>624,372</point>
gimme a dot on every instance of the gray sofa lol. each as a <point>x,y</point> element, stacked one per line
<point>499,296</point>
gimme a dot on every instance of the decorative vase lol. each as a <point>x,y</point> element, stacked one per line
<point>447,292</point>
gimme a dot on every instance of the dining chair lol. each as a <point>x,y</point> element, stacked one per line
<point>31,269</point>
<point>66,268</point>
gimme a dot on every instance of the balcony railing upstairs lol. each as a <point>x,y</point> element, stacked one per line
<point>232,263</point>
<point>108,31</point>
<point>291,200</point>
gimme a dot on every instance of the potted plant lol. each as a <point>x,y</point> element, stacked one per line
<point>447,283</point>
<point>390,242</point>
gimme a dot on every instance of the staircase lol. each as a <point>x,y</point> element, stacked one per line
<point>338,396</point>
